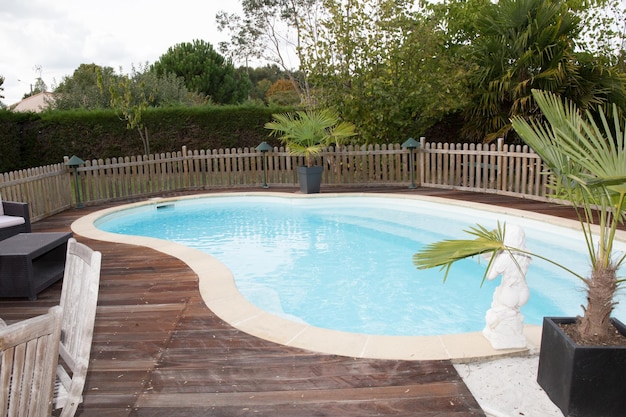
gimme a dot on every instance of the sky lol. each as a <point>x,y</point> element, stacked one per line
<point>52,38</point>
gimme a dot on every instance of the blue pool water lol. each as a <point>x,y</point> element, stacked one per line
<point>345,263</point>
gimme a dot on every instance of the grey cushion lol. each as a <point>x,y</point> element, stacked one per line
<point>8,221</point>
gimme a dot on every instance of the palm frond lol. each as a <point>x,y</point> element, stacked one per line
<point>589,163</point>
<point>446,252</point>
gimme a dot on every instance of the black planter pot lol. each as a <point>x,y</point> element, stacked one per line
<point>582,380</point>
<point>310,179</point>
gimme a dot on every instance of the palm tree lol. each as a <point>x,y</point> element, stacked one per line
<point>525,45</point>
<point>307,133</point>
<point>587,167</point>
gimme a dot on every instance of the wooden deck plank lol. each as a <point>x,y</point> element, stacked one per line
<point>428,392</point>
<point>159,351</point>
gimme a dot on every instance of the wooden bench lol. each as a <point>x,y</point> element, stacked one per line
<point>31,262</point>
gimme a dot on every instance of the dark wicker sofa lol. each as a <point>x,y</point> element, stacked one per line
<point>12,208</point>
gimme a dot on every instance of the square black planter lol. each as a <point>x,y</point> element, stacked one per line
<point>582,380</point>
<point>310,179</point>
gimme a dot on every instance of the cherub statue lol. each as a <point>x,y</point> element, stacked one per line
<point>504,322</point>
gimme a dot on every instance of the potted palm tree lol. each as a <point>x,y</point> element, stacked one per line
<point>582,360</point>
<point>307,133</point>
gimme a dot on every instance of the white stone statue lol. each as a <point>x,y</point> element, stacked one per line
<point>504,322</point>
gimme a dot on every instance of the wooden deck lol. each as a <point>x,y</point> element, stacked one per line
<point>159,351</point>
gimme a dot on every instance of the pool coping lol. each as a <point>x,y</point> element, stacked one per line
<point>219,292</point>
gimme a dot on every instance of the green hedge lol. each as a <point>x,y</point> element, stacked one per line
<point>32,140</point>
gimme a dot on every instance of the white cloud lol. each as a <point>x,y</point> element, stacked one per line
<point>59,36</point>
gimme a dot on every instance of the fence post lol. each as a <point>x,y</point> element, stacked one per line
<point>186,181</point>
<point>500,147</point>
<point>420,160</point>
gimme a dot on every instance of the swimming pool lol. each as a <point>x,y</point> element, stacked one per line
<point>280,248</point>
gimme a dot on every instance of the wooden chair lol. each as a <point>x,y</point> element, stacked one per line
<point>29,353</point>
<point>79,296</point>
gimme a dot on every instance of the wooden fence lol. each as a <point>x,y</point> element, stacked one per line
<point>47,189</point>
<point>495,168</point>
<point>499,168</point>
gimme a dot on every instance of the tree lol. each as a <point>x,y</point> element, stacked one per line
<point>601,52</point>
<point>204,71</point>
<point>603,28</point>
<point>587,162</point>
<point>163,90</point>
<point>262,79</point>
<point>394,79</point>
<point>282,93</point>
<point>81,89</point>
<point>273,30</point>
<point>530,44</point>
<point>244,45</point>
<point>455,19</point>
<point>129,100</point>
<point>522,44</point>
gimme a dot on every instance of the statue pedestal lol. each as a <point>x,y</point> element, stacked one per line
<point>505,329</point>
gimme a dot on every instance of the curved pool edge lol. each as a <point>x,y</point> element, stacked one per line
<point>219,292</point>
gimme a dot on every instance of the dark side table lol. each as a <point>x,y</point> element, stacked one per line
<point>31,262</point>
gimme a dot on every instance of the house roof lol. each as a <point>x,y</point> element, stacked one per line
<point>35,103</point>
